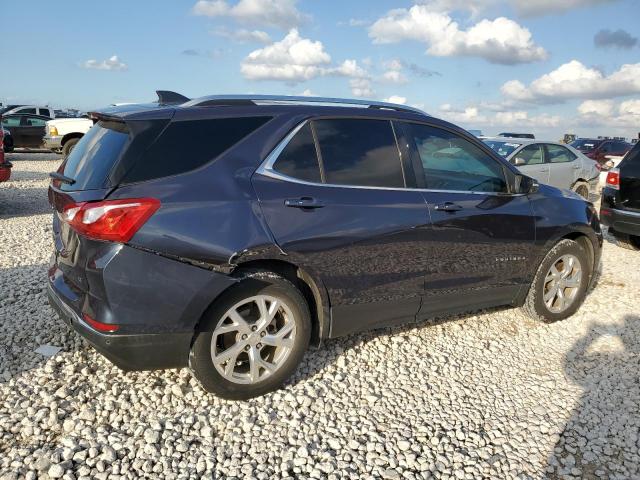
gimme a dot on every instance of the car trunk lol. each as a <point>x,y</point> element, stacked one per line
<point>630,180</point>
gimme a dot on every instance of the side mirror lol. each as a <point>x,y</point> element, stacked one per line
<point>526,184</point>
<point>519,161</point>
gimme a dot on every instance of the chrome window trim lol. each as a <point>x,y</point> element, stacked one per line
<point>266,169</point>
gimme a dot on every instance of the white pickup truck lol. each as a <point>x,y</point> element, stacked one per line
<point>62,134</point>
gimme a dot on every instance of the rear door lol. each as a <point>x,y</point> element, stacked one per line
<point>480,246</point>
<point>335,199</point>
<point>534,164</point>
<point>630,180</point>
<point>32,130</point>
<point>12,123</point>
<point>564,166</point>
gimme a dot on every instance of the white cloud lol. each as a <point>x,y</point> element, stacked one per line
<point>575,80</point>
<point>522,7</point>
<point>270,13</point>
<point>394,76</point>
<point>361,87</point>
<point>112,63</point>
<point>472,116</point>
<point>243,36</point>
<point>396,99</point>
<point>307,93</point>
<point>605,113</point>
<point>498,41</point>
<point>296,59</point>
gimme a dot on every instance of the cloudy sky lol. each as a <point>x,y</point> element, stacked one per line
<point>547,66</point>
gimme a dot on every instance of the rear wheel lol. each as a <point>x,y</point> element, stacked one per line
<point>630,242</point>
<point>560,284</point>
<point>253,338</point>
<point>69,146</point>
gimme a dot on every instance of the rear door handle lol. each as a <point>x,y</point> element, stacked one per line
<point>448,207</point>
<point>304,203</point>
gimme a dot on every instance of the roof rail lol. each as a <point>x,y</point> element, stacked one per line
<point>229,100</point>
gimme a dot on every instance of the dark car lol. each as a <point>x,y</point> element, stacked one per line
<point>5,165</point>
<point>27,130</point>
<point>599,149</point>
<point>7,139</point>
<point>517,135</point>
<point>620,205</point>
<point>227,233</point>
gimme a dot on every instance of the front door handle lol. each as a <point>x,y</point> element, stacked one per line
<point>304,203</point>
<point>448,207</point>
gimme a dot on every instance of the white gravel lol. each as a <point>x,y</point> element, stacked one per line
<point>485,395</point>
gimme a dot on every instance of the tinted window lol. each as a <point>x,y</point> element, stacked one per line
<point>531,154</point>
<point>359,152</point>
<point>451,162</point>
<point>606,147</point>
<point>559,154</point>
<point>27,110</point>
<point>299,158</point>
<point>585,144</point>
<point>619,148</point>
<point>94,155</point>
<point>186,145</point>
<point>33,122</point>
<point>10,121</point>
<point>45,111</point>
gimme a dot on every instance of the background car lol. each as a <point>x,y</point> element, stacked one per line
<point>62,134</point>
<point>620,205</point>
<point>31,110</point>
<point>5,166</point>
<point>27,131</point>
<point>549,162</point>
<point>599,149</point>
<point>6,108</point>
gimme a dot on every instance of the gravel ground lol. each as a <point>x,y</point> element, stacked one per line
<point>486,395</point>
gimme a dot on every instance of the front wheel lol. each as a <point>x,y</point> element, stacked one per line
<point>69,146</point>
<point>560,284</point>
<point>252,338</point>
<point>583,191</point>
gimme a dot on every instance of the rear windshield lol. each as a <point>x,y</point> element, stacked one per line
<point>502,148</point>
<point>91,160</point>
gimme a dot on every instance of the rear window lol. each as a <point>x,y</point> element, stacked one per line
<point>91,160</point>
<point>359,152</point>
<point>187,145</point>
<point>504,149</point>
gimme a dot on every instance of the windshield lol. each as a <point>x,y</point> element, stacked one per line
<point>503,148</point>
<point>585,144</point>
<point>90,162</point>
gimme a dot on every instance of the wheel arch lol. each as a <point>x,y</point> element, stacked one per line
<point>69,136</point>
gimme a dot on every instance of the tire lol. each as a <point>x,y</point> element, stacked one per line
<point>630,242</point>
<point>7,144</point>
<point>68,146</point>
<point>582,190</point>
<point>535,306</point>
<point>238,384</point>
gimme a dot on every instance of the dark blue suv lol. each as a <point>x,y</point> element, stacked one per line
<point>227,233</point>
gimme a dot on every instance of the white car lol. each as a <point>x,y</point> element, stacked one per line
<point>62,134</point>
<point>552,163</point>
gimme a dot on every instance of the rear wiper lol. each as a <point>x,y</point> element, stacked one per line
<point>62,178</point>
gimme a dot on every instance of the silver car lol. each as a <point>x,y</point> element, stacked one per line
<point>552,163</point>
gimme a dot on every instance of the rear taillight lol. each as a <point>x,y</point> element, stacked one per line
<point>113,220</point>
<point>613,178</point>
<point>101,327</point>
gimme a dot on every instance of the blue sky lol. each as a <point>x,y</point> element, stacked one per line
<point>547,66</point>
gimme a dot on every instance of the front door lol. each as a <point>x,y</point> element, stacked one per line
<point>480,245</point>
<point>336,202</point>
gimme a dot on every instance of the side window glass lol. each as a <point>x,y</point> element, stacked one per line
<point>299,158</point>
<point>11,121</point>
<point>359,152</point>
<point>451,162</point>
<point>45,112</point>
<point>531,154</point>
<point>27,110</point>
<point>606,147</point>
<point>34,122</point>
<point>559,154</point>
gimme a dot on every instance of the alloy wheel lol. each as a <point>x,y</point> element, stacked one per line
<point>562,283</point>
<point>253,339</point>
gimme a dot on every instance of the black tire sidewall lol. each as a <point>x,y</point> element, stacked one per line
<point>200,357</point>
<point>567,247</point>
<point>68,146</point>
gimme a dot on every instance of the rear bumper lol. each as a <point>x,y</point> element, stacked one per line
<point>156,303</point>
<point>620,220</point>
<point>52,142</point>
<point>129,352</point>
